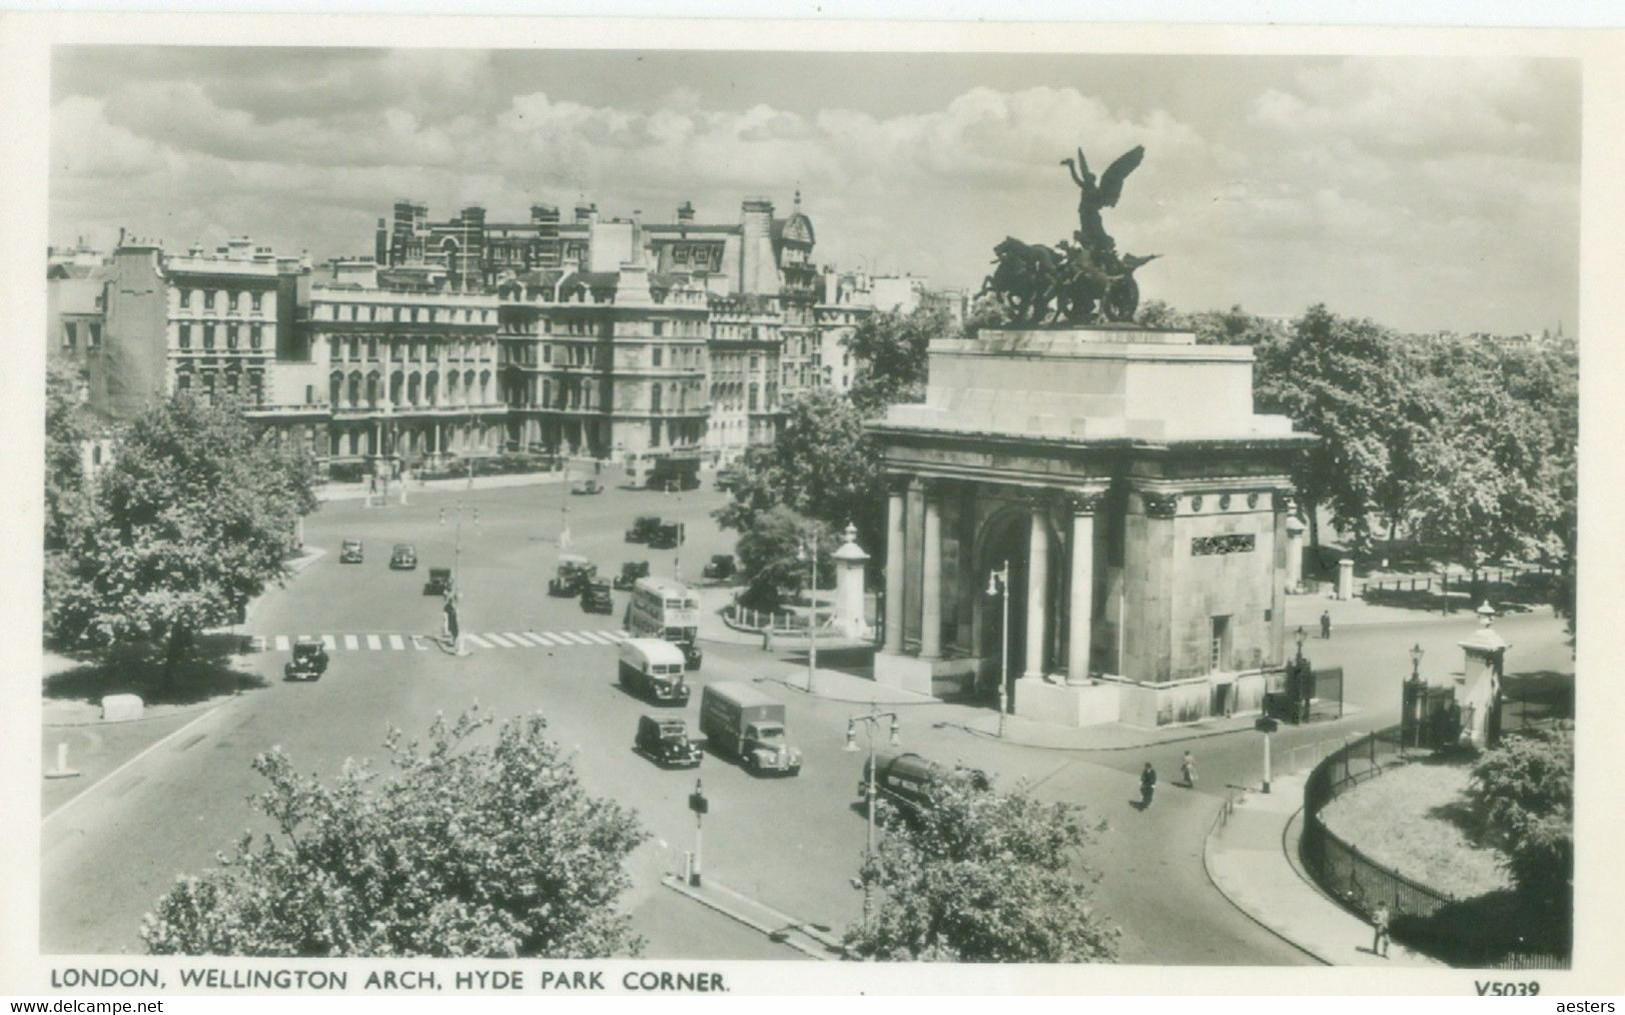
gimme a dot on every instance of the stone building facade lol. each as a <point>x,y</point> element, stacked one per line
<point>744,358</point>
<point>1138,503</point>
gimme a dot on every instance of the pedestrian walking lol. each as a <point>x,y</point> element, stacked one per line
<point>1187,769</point>
<point>1379,924</point>
<point>1325,624</point>
<point>1148,785</point>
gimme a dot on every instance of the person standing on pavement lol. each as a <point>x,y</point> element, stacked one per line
<point>1379,924</point>
<point>1187,769</point>
<point>1325,624</point>
<point>1148,785</point>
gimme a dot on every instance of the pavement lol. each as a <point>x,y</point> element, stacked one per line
<point>1248,859</point>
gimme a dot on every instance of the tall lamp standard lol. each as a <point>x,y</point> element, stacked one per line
<point>998,584</point>
<point>871,723</point>
<point>808,551</point>
<point>1415,709</point>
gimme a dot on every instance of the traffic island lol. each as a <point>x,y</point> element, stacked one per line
<point>812,940</point>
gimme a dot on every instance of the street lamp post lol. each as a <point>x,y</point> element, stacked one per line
<point>998,584</point>
<point>1414,711</point>
<point>870,722</point>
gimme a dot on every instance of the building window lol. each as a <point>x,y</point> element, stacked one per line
<point>208,336</point>
<point>310,394</point>
<point>208,299</point>
<point>656,355</point>
<point>185,335</point>
<point>235,301</point>
<point>372,313</point>
<point>414,315</point>
<point>654,399</point>
<point>186,297</point>
<point>372,348</point>
<point>396,311</point>
<point>70,335</point>
<point>256,300</point>
<point>254,336</point>
<point>660,328</point>
<point>231,336</point>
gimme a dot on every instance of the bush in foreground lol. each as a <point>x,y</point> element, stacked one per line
<point>466,851</point>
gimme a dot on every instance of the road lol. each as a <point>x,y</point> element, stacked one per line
<point>792,844</point>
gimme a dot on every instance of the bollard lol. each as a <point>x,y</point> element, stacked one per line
<point>62,771</point>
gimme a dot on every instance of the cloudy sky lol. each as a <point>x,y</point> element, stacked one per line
<point>1425,193</point>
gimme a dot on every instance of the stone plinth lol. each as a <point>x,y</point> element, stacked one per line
<point>1067,704</point>
<point>939,677</point>
<point>849,563</point>
<point>1345,579</point>
<point>121,707</point>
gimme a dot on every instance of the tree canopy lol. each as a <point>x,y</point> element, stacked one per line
<point>982,876</point>
<point>1523,792</point>
<point>770,555</point>
<point>466,851</point>
<point>194,517</point>
<point>67,426</point>
<point>891,352</point>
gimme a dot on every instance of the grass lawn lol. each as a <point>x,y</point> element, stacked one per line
<point>1415,820</point>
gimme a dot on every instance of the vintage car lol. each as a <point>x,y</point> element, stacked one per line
<point>664,741</point>
<point>727,478</point>
<point>404,557</point>
<point>631,571</point>
<point>587,487</point>
<point>720,568</point>
<point>595,597</point>
<point>439,582</point>
<point>573,575</point>
<point>350,552</point>
<point>309,660</point>
<point>666,536</point>
<point>642,528</point>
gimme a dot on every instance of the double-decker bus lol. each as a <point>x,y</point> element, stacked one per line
<point>662,608</point>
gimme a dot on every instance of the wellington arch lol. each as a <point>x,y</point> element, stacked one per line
<point>1140,505</point>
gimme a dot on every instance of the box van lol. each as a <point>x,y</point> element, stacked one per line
<point>741,722</point>
<point>905,779</point>
<point>653,668</point>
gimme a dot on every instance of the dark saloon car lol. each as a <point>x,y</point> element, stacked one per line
<point>350,552</point>
<point>595,597</point>
<point>666,537</point>
<point>664,741</point>
<point>721,567</point>
<point>404,558</point>
<point>309,660</point>
<point>587,487</point>
<point>631,571</point>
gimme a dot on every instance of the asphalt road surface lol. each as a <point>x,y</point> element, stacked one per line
<point>793,844</point>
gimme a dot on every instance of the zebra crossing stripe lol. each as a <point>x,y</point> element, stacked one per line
<point>596,637</point>
<point>395,642</point>
<point>574,637</point>
<point>476,640</point>
<point>500,641</point>
<point>615,635</point>
<point>548,640</point>
<point>350,642</point>
<point>517,639</point>
<point>282,643</point>
<point>417,643</point>
<point>329,643</point>
<point>374,643</point>
<point>534,639</point>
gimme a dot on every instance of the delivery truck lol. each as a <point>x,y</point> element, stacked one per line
<point>742,723</point>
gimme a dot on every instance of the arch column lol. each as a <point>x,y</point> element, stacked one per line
<point>931,576</point>
<point>1081,599</point>
<point>894,567</point>
<point>1037,586</point>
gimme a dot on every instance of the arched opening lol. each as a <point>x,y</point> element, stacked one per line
<point>1003,542</point>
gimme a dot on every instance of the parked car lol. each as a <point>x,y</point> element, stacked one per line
<point>721,567</point>
<point>666,536</point>
<point>439,582</point>
<point>350,552</point>
<point>741,722</point>
<point>595,597</point>
<point>309,660</point>
<point>727,478</point>
<point>587,487</point>
<point>642,528</point>
<point>664,741</point>
<point>404,557</point>
<point>631,571</point>
<point>652,668</point>
<point>573,574</point>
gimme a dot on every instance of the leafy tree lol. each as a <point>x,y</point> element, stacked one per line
<point>770,554</point>
<point>1523,791</point>
<point>823,465</point>
<point>981,876</point>
<point>192,520</point>
<point>467,851</point>
<point>891,351</point>
<point>67,426</point>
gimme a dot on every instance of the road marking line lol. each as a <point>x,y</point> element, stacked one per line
<point>396,643</point>
<point>103,780</point>
<point>546,639</point>
<point>517,639</point>
<point>499,641</point>
<point>373,642</point>
<point>350,642</point>
<point>474,639</point>
<point>596,637</point>
<point>329,643</point>
<point>615,635</point>
<point>282,643</point>
<point>529,639</point>
<point>417,643</point>
<point>574,637</point>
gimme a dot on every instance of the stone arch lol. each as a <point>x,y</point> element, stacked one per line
<point>1004,534</point>
<point>335,389</point>
<point>355,389</point>
<point>431,388</point>
<point>414,387</point>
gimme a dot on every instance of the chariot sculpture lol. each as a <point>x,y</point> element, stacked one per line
<point>1079,281</point>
